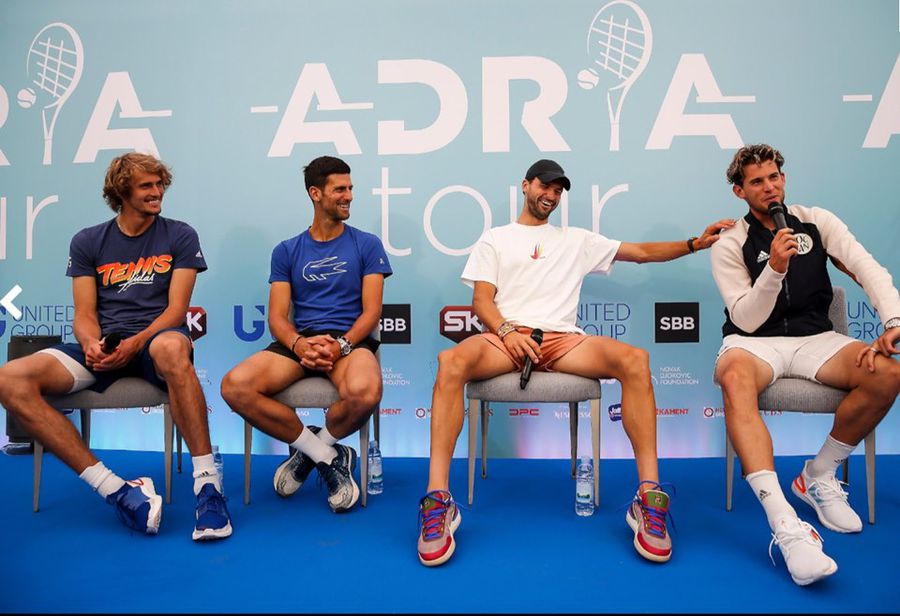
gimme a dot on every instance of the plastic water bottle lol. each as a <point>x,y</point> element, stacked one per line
<point>584,487</point>
<point>219,463</point>
<point>375,479</point>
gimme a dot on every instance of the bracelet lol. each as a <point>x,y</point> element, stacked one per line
<point>295,342</point>
<point>505,328</point>
<point>690,245</point>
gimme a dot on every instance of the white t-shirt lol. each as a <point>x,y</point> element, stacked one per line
<point>538,271</point>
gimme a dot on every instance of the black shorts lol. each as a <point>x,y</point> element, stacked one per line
<point>279,349</point>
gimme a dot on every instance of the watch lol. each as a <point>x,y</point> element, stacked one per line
<point>345,345</point>
<point>892,323</point>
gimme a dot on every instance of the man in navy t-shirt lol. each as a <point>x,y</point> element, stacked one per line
<point>132,279</point>
<point>324,304</point>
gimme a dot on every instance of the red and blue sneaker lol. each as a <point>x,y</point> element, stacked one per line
<point>647,518</point>
<point>138,505</point>
<point>439,518</point>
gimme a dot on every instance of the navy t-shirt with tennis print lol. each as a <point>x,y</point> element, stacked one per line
<point>326,277</point>
<point>133,273</point>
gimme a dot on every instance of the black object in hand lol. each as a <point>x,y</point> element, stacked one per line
<point>538,336</point>
<point>776,211</point>
<point>110,342</point>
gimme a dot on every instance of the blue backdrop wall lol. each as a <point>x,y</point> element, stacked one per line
<point>439,108</point>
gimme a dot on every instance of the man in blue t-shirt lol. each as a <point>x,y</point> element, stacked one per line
<point>132,279</point>
<point>331,277</point>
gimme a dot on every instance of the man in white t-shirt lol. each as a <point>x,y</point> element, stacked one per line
<point>527,275</point>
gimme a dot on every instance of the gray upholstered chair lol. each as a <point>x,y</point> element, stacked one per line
<point>128,392</point>
<point>318,392</point>
<point>543,387</point>
<point>313,392</point>
<point>790,394</point>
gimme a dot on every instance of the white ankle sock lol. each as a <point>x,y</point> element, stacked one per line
<point>314,447</point>
<point>326,437</point>
<point>101,479</point>
<point>766,488</point>
<point>832,455</point>
<point>205,472</point>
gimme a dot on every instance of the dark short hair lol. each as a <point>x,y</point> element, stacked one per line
<point>751,154</point>
<point>117,185</point>
<point>317,171</point>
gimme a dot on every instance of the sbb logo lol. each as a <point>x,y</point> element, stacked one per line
<point>196,322</point>
<point>395,324</point>
<point>678,322</point>
<point>458,323</point>
<point>524,412</point>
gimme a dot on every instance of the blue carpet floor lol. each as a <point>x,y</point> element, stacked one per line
<point>520,548</point>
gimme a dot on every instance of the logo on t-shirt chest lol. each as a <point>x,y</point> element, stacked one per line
<point>321,269</point>
<point>140,272</point>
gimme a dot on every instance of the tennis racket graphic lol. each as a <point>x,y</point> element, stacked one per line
<point>54,65</point>
<point>619,42</point>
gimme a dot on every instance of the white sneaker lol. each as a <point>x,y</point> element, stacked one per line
<point>801,547</point>
<point>826,496</point>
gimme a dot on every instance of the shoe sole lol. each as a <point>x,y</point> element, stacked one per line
<point>657,558</point>
<point>154,517</point>
<point>454,524</point>
<point>282,469</point>
<point>806,582</point>
<point>351,467</point>
<point>809,500</point>
<point>211,534</point>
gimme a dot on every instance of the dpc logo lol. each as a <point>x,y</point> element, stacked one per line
<point>257,326</point>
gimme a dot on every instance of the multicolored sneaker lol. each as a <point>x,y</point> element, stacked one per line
<point>801,547</point>
<point>213,520</point>
<point>646,516</point>
<point>439,518</point>
<point>138,505</point>
<point>825,495</point>
<point>290,474</point>
<point>338,477</point>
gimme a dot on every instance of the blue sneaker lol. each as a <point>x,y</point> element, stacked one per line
<point>138,505</point>
<point>213,521</point>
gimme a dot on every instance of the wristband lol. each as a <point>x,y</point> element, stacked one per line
<point>690,245</point>
<point>505,328</point>
<point>295,342</point>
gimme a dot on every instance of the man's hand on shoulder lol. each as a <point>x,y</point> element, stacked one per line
<point>711,234</point>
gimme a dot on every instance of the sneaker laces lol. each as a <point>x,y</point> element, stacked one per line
<point>803,532</point>
<point>654,516</point>
<point>211,501</point>
<point>434,520</point>
<point>829,488</point>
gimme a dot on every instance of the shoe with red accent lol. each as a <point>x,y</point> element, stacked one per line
<point>828,498</point>
<point>647,518</point>
<point>801,547</point>
<point>439,518</point>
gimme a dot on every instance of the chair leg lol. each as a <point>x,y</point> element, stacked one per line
<point>86,427</point>
<point>595,447</point>
<point>168,425</point>
<point>38,458</point>
<point>573,433</point>
<point>376,424</point>
<point>364,461</point>
<point>870,474</point>
<point>485,419</point>
<point>178,442</point>
<point>474,420</point>
<point>248,441</point>
<point>729,472</point>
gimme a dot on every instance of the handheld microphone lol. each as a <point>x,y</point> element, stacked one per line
<point>776,211</point>
<point>538,336</point>
<point>110,342</point>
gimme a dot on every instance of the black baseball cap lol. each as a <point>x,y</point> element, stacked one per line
<point>548,171</point>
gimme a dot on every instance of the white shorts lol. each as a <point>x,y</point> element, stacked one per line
<point>791,356</point>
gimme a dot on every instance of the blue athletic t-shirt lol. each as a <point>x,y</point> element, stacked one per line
<point>133,273</point>
<point>326,277</point>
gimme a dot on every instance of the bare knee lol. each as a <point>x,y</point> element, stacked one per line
<point>884,383</point>
<point>452,369</point>
<point>364,397</point>
<point>635,365</point>
<point>16,389</point>
<point>171,355</point>
<point>236,390</point>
